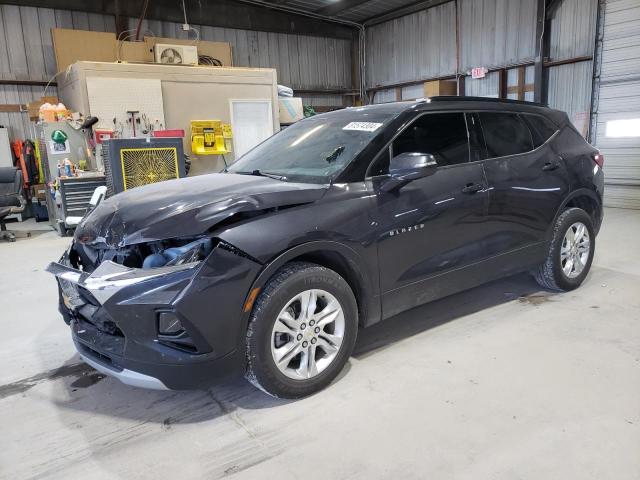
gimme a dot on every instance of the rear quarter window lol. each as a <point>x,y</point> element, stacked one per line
<point>541,128</point>
<point>505,134</point>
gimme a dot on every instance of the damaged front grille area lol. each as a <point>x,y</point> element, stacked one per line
<point>80,304</point>
<point>100,319</point>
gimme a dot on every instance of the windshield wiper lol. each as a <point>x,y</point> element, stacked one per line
<point>260,173</point>
<point>334,154</point>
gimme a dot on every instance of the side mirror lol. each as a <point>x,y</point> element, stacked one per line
<point>409,166</point>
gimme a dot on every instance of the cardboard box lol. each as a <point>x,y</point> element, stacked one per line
<point>290,109</point>
<point>440,87</point>
<point>39,191</point>
<point>34,107</point>
<point>71,46</point>
<point>135,52</point>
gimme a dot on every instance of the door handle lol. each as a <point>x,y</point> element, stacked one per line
<point>550,166</point>
<point>472,188</point>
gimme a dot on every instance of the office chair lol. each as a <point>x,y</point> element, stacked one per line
<point>11,199</point>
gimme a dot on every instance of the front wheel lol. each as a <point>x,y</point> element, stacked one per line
<point>570,252</point>
<point>301,332</point>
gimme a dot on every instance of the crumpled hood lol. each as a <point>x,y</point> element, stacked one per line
<point>186,207</point>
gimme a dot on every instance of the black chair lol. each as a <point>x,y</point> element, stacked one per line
<point>11,199</point>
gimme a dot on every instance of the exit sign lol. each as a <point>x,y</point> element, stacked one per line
<point>479,72</point>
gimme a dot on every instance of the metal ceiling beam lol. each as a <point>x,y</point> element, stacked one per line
<point>552,7</point>
<point>402,11</point>
<point>219,13</point>
<point>542,38</point>
<point>340,6</point>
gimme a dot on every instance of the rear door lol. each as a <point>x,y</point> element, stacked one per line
<point>527,180</point>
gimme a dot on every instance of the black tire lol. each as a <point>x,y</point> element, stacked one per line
<point>290,280</point>
<point>550,274</point>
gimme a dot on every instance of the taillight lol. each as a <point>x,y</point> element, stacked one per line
<point>599,159</point>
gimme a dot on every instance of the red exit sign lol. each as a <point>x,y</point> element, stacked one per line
<point>479,72</point>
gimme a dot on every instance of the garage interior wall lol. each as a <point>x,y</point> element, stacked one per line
<point>618,99</point>
<point>493,34</point>
<point>411,48</point>
<point>26,53</point>
<point>573,32</point>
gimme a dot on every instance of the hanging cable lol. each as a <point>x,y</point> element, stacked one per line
<point>142,15</point>
<point>184,10</point>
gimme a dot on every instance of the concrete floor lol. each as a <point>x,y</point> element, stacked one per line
<point>501,382</point>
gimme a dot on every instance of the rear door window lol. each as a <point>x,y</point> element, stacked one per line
<point>505,134</point>
<point>541,128</point>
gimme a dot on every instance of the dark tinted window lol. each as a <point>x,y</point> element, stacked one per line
<point>505,134</point>
<point>477,147</point>
<point>381,164</point>
<point>541,128</point>
<point>443,135</point>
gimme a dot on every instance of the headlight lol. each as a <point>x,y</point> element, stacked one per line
<point>191,252</point>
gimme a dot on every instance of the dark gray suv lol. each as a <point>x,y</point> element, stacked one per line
<point>269,268</point>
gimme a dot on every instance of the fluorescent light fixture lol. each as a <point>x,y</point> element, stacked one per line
<point>623,128</point>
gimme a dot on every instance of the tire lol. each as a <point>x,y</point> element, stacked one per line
<point>281,301</point>
<point>552,274</point>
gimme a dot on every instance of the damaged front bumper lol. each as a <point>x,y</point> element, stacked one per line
<point>114,316</point>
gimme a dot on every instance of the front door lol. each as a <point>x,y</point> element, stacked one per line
<point>432,225</point>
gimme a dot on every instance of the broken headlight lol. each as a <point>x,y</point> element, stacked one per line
<point>191,252</point>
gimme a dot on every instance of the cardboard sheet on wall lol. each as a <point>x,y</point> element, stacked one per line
<point>71,46</point>
<point>111,98</point>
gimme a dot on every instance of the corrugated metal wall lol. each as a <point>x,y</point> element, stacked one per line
<point>493,33</point>
<point>301,61</point>
<point>619,99</point>
<point>26,53</point>
<point>482,87</point>
<point>412,47</point>
<point>572,35</point>
<point>496,33</point>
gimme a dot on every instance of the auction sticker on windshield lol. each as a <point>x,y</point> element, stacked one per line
<point>362,126</point>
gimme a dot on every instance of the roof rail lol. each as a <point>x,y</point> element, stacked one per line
<point>454,98</point>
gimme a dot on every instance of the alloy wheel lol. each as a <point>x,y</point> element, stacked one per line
<point>575,250</point>
<point>307,334</point>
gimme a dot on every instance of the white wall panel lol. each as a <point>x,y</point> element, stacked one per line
<point>619,99</point>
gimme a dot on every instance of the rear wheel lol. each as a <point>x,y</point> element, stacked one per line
<point>301,331</point>
<point>570,252</point>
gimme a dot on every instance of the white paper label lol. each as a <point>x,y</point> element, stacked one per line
<point>362,126</point>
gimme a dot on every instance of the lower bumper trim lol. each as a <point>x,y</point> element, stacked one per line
<point>128,377</point>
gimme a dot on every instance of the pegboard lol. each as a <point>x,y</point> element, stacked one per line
<point>111,98</point>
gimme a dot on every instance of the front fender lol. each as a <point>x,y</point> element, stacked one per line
<point>367,287</point>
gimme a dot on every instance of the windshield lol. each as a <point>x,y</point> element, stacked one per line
<point>316,149</point>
